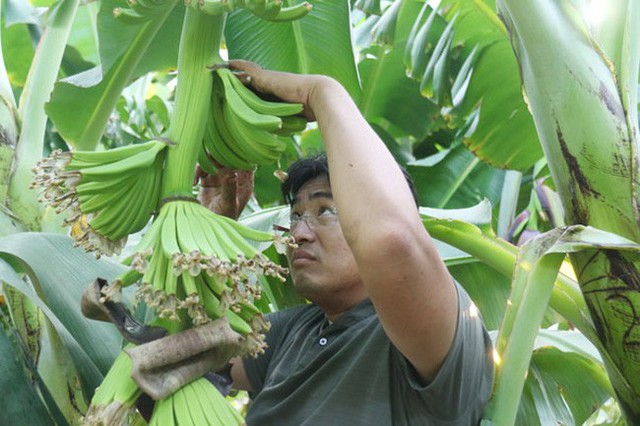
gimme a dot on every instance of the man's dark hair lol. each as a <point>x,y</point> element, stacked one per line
<point>306,169</point>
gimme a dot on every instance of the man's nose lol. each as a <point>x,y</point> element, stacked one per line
<point>302,231</point>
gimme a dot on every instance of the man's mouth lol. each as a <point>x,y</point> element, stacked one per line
<point>301,257</point>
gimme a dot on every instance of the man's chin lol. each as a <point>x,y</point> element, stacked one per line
<point>304,284</point>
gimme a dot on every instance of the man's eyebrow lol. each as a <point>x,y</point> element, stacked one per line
<point>314,195</point>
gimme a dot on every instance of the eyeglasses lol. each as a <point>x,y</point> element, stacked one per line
<point>326,217</point>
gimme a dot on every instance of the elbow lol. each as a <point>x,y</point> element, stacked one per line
<point>391,242</point>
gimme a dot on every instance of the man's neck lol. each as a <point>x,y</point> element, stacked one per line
<point>332,313</point>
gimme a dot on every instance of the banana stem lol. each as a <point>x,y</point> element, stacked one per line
<point>42,76</point>
<point>199,50</point>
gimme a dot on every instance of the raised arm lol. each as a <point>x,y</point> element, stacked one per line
<point>401,269</point>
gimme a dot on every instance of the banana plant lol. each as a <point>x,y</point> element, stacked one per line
<point>586,116</point>
<point>579,81</point>
<point>432,130</point>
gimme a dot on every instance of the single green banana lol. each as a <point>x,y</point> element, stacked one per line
<point>292,13</point>
<point>95,202</point>
<point>204,161</point>
<point>93,187</point>
<point>257,146</point>
<point>237,323</point>
<point>214,283</point>
<point>163,414</point>
<point>211,303</point>
<point>186,239</point>
<point>255,102</point>
<point>140,160</point>
<point>241,109</point>
<point>291,125</point>
<point>168,234</point>
<point>111,155</point>
<point>227,243</point>
<point>129,16</point>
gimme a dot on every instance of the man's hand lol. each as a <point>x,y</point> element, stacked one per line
<point>288,87</point>
<point>227,192</point>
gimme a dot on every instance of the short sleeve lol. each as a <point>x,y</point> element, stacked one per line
<point>463,383</point>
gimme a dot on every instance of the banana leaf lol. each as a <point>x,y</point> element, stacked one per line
<point>319,43</point>
<point>536,269</point>
<point>504,134</point>
<point>388,94</point>
<point>456,179</point>
<point>565,381</point>
<point>16,42</point>
<point>59,273</point>
<point>561,388</point>
<point>21,403</point>
<point>580,95</point>
<point>80,105</point>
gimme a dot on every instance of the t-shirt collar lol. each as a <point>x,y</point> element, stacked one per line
<point>357,313</point>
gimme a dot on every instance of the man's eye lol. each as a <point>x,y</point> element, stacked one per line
<point>327,211</point>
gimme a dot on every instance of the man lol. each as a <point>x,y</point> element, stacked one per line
<point>389,337</point>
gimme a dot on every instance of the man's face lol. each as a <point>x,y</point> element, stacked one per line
<point>322,266</point>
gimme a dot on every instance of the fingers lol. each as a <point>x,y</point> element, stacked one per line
<point>244,188</point>
<point>228,195</point>
<point>199,175</point>
<point>243,65</point>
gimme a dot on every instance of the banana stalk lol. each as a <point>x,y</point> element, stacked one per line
<point>580,93</point>
<point>37,90</point>
<point>8,128</point>
<point>199,43</point>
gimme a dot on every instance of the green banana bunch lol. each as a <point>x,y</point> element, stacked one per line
<point>116,396</point>
<point>244,130</point>
<point>198,265</point>
<point>269,10</point>
<point>198,403</point>
<point>106,195</point>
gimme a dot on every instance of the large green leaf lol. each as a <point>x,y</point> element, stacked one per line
<point>536,269</point>
<point>319,43</point>
<point>388,94</point>
<point>17,47</point>
<point>504,134</point>
<point>455,178</point>
<point>561,388</point>
<point>83,37</point>
<point>80,106</point>
<point>119,40</point>
<point>488,289</point>
<point>60,273</point>
<point>20,403</point>
<point>565,382</point>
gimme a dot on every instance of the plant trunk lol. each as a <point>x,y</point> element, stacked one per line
<point>579,99</point>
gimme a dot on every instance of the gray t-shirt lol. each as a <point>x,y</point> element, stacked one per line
<point>349,373</point>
